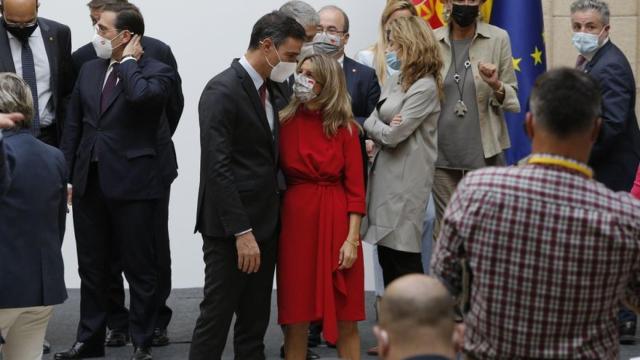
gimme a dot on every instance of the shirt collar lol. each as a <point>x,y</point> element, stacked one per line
<point>255,76</point>
<point>341,60</point>
<point>482,30</point>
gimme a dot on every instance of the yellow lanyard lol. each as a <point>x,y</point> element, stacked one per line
<point>558,161</point>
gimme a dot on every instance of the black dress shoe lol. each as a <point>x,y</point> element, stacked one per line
<point>116,338</point>
<point>81,351</point>
<point>628,333</point>
<point>160,337</point>
<point>142,353</point>
<point>46,347</point>
<point>310,354</point>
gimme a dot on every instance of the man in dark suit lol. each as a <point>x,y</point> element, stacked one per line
<point>118,318</point>
<point>417,321</point>
<point>39,50</point>
<point>33,211</point>
<point>616,153</point>
<point>119,176</point>
<point>362,82</point>
<point>238,201</point>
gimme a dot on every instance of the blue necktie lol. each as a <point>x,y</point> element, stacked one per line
<point>109,86</point>
<point>29,76</point>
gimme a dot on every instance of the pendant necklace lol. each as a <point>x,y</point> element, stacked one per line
<point>460,109</point>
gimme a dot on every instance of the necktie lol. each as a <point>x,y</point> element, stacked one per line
<point>262,91</point>
<point>581,62</point>
<point>29,76</point>
<point>111,83</point>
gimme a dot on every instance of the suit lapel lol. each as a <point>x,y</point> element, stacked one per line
<point>49,39</point>
<point>98,81</point>
<point>349,74</point>
<point>6,59</point>
<point>116,91</point>
<point>599,54</point>
<point>250,89</point>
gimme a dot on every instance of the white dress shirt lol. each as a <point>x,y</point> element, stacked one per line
<point>43,72</point>
<point>257,82</point>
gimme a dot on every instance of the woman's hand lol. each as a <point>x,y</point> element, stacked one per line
<point>397,120</point>
<point>489,73</point>
<point>371,148</point>
<point>348,253</point>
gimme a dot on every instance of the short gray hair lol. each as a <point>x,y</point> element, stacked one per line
<point>600,6</point>
<point>302,12</point>
<point>15,97</point>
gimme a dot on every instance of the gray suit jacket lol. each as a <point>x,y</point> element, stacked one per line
<point>401,177</point>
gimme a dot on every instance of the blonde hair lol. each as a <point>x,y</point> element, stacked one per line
<point>15,97</point>
<point>333,100</point>
<point>379,48</point>
<point>418,49</point>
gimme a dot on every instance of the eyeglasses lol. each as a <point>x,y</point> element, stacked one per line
<point>331,30</point>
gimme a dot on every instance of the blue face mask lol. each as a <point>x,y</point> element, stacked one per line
<point>586,43</point>
<point>392,60</point>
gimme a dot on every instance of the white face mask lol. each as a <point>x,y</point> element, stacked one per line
<point>303,88</point>
<point>281,71</point>
<point>103,47</point>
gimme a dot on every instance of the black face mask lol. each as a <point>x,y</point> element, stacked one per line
<point>21,33</point>
<point>465,15</point>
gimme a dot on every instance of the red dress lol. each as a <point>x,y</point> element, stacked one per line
<point>324,184</point>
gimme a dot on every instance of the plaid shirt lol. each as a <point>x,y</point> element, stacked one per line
<point>551,256</point>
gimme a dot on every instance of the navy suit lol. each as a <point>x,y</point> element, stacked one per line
<point>364,89</point>
<point>616,153</point>
<point>33,209</point>
<point>118,314</point>
<point>57,43</point>
<point>119,176</point>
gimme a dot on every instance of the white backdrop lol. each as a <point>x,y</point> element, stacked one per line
<point>205,36</point>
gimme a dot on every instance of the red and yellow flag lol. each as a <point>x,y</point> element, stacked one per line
<point>431,11</point>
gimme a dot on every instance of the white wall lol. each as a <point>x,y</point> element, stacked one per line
<point>205,36</point>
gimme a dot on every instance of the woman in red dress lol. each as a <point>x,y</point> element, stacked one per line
<point>320,268</point>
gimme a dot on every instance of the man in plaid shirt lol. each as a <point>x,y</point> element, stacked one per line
<point>549,254</point>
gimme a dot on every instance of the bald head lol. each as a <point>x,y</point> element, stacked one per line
<point>414,303</point>
<point>20,11</point>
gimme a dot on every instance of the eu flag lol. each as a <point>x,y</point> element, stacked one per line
<point>524,22</point>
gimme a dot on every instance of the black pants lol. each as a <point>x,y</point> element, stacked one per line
<point>396,263</point>
<point>98,222</point>
<point>118,317</point>
<point>228,291</point>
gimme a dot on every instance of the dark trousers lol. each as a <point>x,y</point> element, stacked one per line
<point>228,291</point>
<point>396,263</point>
<point>118,317</point>
<point>98,222</point>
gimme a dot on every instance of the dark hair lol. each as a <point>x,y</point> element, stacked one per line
<point>99,4</point>
<point>128,17</point>
<point>277,26</point>
<point>344,15</point>
<point>565,101</point>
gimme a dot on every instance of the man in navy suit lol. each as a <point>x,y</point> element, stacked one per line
<point>616,153</point>
<point>38,50</point>
<point>362,82</point>
<point>118,318</point>
<point>33,209</point>
<point>119,176</point>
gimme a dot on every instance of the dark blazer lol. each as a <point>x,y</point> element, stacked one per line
<point>155,49</point>
<point>57,42</point>
<point>363,86</point>
<point>33,209</point>
<point>364,89</point>
<point>616,154</point>
<point>124,137</point>
<point>239,157</point>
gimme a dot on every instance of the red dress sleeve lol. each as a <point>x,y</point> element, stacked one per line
<point>636,186</point>
<point>353,172</point>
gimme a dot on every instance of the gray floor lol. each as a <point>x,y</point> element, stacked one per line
<point>62,330</point>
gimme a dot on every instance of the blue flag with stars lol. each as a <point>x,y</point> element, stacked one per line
<point>523,21</point>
